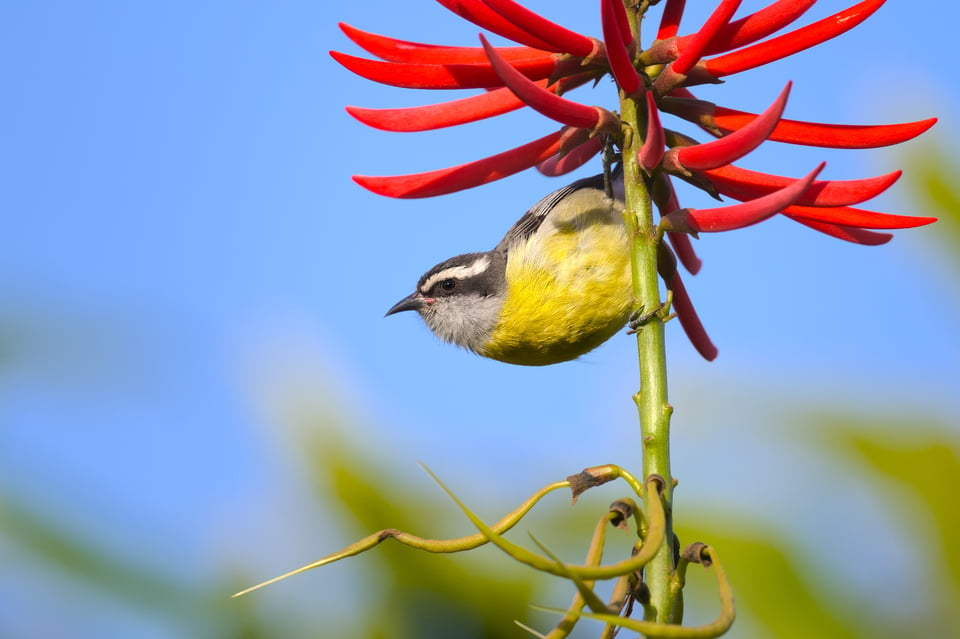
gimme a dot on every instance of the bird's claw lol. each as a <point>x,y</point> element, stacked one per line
<point>639,319</point>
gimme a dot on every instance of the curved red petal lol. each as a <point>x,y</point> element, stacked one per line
<point>670,20</point>
<point>846,233</point>
<point>742,184</point>
<point>455,112</point>
<point>699,41</point>
<point>394,50</point>
<point>549,104</point>
<point>445,114</point>
<point>558,164</point>
<point>440,76</point>
<point>621,65</point>
<point>757,25</point>
<point>464,176</point>
<point>792,42</point>
<point>738,216</point>
<point>483,16</point>
<point>683,247</point>
<point>689,320</point>
<point>623,23</point>
<point>732,147</point>
<point>836,136</point>
<point>563,40</point>
<point>849,216</point>
<point>651,153</point>
<point>665,197</point>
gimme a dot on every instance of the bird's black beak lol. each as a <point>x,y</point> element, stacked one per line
<point>412,302</point>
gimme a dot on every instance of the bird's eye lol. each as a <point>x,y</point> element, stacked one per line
<point>448,285</point>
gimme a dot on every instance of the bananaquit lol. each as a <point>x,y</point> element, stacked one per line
<point>556,286</point>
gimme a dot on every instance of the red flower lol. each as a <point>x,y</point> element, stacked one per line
<point>551,60</point>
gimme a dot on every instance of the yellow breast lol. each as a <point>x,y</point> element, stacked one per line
<point>568,290</point>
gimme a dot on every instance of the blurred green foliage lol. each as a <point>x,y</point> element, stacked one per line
<point>917,474</point>
<point>92,566</point>
<point>932,183</point>
<point>421,595</point>
<point>414,595</point>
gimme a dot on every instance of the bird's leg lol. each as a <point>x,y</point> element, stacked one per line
<point>639,319</point>
<point>610,156</point>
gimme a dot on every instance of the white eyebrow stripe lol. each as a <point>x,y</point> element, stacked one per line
<point>458,272</point>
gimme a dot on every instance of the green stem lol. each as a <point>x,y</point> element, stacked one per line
<point>651,399</point>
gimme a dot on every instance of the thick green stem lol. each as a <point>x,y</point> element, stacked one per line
<point>651,399</point>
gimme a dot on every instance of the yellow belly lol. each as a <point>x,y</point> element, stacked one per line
<point>568,291</point>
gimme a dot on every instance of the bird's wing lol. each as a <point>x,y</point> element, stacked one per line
<point>528,224</point>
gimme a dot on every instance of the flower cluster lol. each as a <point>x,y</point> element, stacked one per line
<point>551,60</point>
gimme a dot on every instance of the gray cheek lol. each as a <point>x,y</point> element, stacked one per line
<point>464,322</point>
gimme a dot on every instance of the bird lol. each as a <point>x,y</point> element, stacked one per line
<point>556,286</point>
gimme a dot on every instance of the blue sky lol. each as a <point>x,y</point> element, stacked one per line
<point>184,250</point>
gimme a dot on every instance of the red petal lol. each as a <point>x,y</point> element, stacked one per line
<point>437,116</point>
<point>562,39</point>
<point>440,76</point>
<point>742,184</point>
<point>623,23</point>
<point>666,200</point>
<point>562,164</point>
<point>737,216</point>
<point>689,320</point>
<point>670,20</point>
<point>394,50</point>
<point>621,65</point>
<point>839,136</point>
<point>464,176</point>
<point>792,42</point>
<point>446,114</point>
<point>551,105</point>
<point>847,233</point>
<point>730,148</point>
<point>699,41</point>
<point>683,247</point>
<point>849,216</point>
<point>652,150</point>
<point>455,112</point>
<point>757,25</point>
<point>483,16</point>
